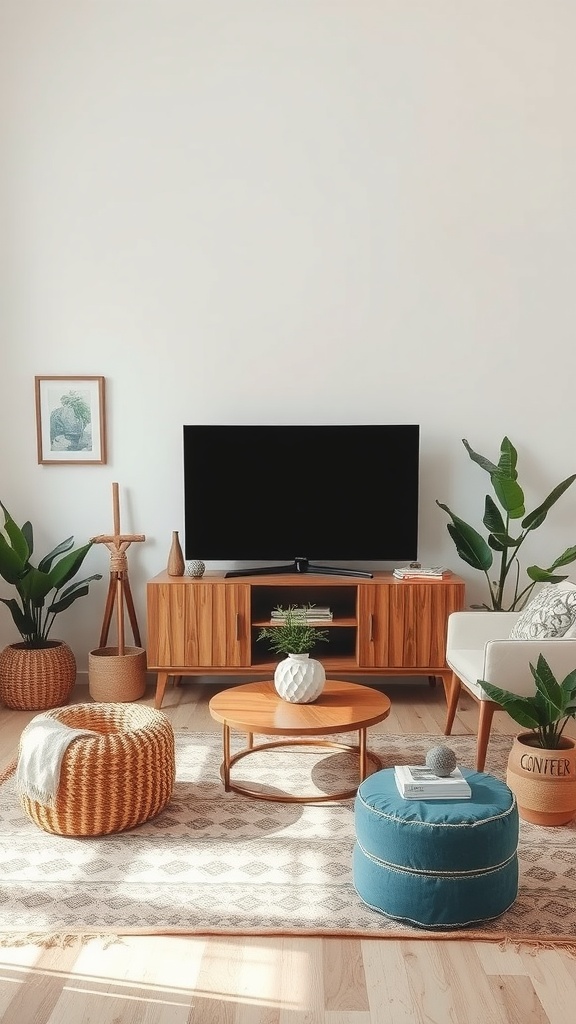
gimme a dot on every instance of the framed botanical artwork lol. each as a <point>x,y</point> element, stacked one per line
<point>70,420</point>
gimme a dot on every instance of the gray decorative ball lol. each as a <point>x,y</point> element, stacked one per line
<point>441,760</point>
<point>195,568</point>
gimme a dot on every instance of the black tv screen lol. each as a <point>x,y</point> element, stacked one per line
<point>301,494</point>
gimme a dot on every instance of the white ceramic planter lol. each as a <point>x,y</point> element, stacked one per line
<point>299,679</point>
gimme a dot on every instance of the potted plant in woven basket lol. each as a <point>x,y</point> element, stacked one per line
<point>38,672</point>
<point>542,763</point>
<point>298,678</point>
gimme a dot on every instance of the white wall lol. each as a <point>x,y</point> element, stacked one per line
<point>286,210</point>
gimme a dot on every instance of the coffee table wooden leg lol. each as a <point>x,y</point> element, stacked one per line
<point>226,762</point>
<point>250,740</point>
<point>363,758</point>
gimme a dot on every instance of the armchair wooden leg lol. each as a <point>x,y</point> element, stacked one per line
<point>487,709</point>
<point>452,699</point>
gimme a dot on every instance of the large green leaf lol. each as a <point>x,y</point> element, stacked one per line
<point>495,525</point>
<point>567,556</point>
<point>470,545</point>
<point>16,536</point>
<point>535,519</point>
<point>509,494</point>
<point>11,563</point>
<point>45,563</point>
<point>35,586</point>
<point>68,596</point>
<point>539,575</point>
<point>28,534</point>
<point>508,459</point>
<point>22,620</point>
<point>534,572</point>
<point>68,566</point>
<point>569,685</point>
<point>521,709</point>
<point>550,705</point>
<point>495,544</point>
<point>549,689</point>
<point>65,602</point>
<point>480,460</point>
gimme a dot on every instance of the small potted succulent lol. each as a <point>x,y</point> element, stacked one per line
<point>542,763</point>
<point>38,673</point>
<point>298,678</point>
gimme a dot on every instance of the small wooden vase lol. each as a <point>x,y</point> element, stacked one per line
<point>175,565</point>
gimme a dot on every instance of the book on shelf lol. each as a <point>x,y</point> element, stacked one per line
<point>409,572</point>
<point>417,782</point>
<point>306,614</point>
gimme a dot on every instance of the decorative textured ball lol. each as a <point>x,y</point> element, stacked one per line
<point>441,760</point>
<point>195,568</point>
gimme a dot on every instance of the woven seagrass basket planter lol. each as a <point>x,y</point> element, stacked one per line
<point>117,677</point>
<point>543,781</point>
<point>118,778</point>
<point>34,679</point>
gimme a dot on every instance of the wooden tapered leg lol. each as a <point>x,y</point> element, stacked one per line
<point>161,680</point>
<point>110,598</point>
<point>446,678</point>
<point>487,709</point>
<point>453,698</point>
<point>131,612</point>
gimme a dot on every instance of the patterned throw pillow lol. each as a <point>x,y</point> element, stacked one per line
<point>550,614</point>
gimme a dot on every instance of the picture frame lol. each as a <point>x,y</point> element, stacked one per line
<point>70,420</point>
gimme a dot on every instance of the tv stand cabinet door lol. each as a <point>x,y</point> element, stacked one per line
<point>196,624</point>
<point>403,625</point>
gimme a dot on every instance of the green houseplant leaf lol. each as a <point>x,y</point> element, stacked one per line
<point>39,589</point>
<point>547,711</point>
<point>470,545</point>
<point>506,592</point>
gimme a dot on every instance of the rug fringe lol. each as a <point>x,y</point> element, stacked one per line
<point>518,943</point>
<point>56,940</point>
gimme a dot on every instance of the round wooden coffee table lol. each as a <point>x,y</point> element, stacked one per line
<point>257,708</point>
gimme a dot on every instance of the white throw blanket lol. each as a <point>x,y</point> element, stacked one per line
<point>43,744</point>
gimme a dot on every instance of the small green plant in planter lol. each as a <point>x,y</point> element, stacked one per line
<point>38,673</point>
<point>478,552</point>
<point>32,615</point>
<point>542,762</point>
<point>547,712</point>
<point>293,635</point>
<point>297,678</point>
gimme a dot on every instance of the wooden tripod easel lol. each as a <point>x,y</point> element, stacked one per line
<point>119,587</point>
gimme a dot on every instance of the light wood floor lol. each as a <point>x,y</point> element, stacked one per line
<point>180,980</point>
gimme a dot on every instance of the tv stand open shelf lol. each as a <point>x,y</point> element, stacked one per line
<point>381,626</point>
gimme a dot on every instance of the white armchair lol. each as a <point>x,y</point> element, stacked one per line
<point>477,648</point>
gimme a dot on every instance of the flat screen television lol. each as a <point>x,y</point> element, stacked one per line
<point>301,495</point>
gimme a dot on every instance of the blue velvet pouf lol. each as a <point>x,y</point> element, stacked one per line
<point>436,863</point>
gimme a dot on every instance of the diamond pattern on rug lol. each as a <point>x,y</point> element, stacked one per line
<point>221,862</point>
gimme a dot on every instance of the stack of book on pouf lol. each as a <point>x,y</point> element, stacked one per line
<point>417,782</point>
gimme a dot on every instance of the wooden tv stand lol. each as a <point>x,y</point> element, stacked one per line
<point>381,626</point>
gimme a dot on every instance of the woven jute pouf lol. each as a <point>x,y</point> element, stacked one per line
<point>112,781</point>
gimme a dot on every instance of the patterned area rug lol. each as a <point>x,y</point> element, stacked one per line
<point>217,863</point>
